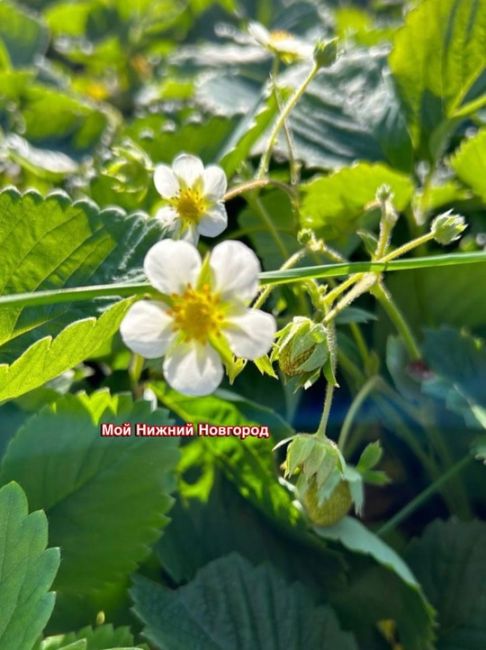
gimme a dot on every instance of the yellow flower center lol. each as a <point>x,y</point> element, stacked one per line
<point>280,35</point>
<point>190,204</point>
<point>197,313</point>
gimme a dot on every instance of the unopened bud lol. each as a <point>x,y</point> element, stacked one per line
<point>447,227</point>
<point>302,348</point>
<point>325,53</point>
<point>384,193</point>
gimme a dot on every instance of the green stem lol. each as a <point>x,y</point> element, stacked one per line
<point>287,109</point>
<point>257,184</point>
<point>56,296</point>
<point>331,344</point>
<point>397,318</point>
<point>415,243</point>
<point>364,285</point>
<point>424,496</point>
<point>356,404</point>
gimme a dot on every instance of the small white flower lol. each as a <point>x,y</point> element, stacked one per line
<point>285,45</point>
<point>194,196</point>
<point>203,308</point>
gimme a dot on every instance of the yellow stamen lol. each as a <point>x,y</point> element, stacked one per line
<point>190,204</point>
<point>197,313</point>
<point>280,35</point>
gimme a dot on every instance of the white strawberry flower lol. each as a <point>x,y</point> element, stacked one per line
<point>195,198</point>
<point>202,313</point>
<point>281,43</point>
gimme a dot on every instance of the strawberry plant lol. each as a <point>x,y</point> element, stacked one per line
<point>242,325</point>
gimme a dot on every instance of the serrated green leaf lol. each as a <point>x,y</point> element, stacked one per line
<point>232,604</point>
<point>350,112</point>
<point>54,243</point>
<point>27,569</point>
<point>416,634</point>
<point>450,562</point>
<point>49,357</point>
<point>469,163</point>
<point>106,498</point>
<point>370,457</point>
<point>439,64</point>
<point>347,194</point>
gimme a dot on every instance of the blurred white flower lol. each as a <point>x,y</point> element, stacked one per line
<point>194,196</point>
<point>202,313</point>
<point>281,43</point>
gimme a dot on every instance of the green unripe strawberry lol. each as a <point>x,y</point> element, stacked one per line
<point>333,509</point>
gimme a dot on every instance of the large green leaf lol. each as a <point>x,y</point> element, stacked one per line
<point>232,604</point>
<point>334,203</point>
<point>450,562</point>
<point>106,499</point>
<point>51,243</point>
<point>439,64</point>
<point>469,163</point>
<point>417,633</point>
<point>350,112</point>
<point>23,35</point>
<point>201,530</point>
<point>27,570</point>
<point>49,357</point>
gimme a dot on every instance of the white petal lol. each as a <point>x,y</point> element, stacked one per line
<point>235,270</point>
<point>147,329</point>
<point>165,181</point>
<point>190,234</point>
<point>214,221</point>
<point>214,182</point>
<point>171,265</point>
<point>188,169</point>
<point>193,369</point>
<point>168,217</point>
<point>259,33</point>
<point>251,336</point>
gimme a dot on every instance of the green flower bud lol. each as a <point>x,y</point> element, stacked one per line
<point>384,193</point>
<point>302,347</point>
<point>447,227</point>
<point>325,53</point>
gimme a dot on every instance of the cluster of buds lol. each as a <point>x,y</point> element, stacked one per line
<point>301,350</point>
<point>326,485</point>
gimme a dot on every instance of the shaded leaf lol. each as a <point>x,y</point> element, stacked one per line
<point>231,604</point>
<point>450,562</point>
<point>91,487</point>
